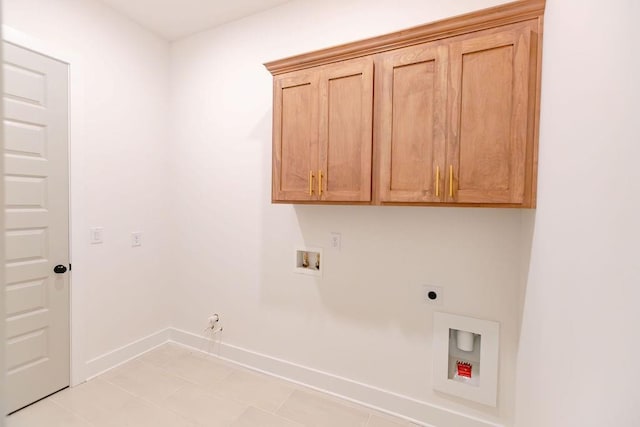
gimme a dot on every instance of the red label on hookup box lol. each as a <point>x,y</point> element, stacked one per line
<point>464,369</point>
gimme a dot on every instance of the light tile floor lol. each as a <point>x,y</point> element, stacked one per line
<point>173,386</point>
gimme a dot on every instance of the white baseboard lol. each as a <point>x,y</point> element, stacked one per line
<point>100,364</point>
<point>406,407</point>
<point>420,412</point>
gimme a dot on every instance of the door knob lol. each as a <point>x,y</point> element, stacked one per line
<point>59,269</point>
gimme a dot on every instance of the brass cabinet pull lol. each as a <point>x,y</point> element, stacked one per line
<point>311,183</point>
<point>437,181</point>
<point>320,182</point>
<point>450,180</point>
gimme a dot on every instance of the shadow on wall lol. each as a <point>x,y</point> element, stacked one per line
<point>387,255</point>
<point>528,229</point>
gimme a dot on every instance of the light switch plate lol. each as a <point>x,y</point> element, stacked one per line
<point>136,238</point>
<point>95,235</point>
<point>336,241</point>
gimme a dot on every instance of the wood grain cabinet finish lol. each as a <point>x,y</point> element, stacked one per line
<point>489,109</point>
<point>451,118</point>
<point>346,131</point>
<point>322,135</point>
<point>295,135</point>
<point>411,123</point>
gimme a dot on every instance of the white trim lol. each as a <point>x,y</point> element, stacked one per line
<point>387,401</point>
<point>2,259</point>
<point>21,39</point>
<point>101,364</point>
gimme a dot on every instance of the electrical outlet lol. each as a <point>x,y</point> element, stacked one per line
<point>336,241</point>
<point>433,294</point>
<point>136,238</point>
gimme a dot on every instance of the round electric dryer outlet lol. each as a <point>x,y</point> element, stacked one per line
<point>433,294</point>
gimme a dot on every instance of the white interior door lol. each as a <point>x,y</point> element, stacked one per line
<point>37,225</point>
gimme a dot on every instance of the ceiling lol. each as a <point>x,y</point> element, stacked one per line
<point>174,19</point>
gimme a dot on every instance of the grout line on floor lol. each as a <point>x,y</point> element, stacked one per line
<point>366,424</point>
<point>146,400</point>
<point>75,414</point>
<point>275,412</point>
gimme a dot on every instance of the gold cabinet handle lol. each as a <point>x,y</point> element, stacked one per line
<point>437,181</point>
<point>311,183</point>
<point>450,180</point>
<point>320,182</point>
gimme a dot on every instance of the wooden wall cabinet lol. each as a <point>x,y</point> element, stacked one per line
<point>454,121</point>
<point>322,133</point>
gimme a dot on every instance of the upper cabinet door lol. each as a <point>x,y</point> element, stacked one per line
<point>345,133</point>
<point>490,111</point>
<point>411,123</point>
<point>295,136</point>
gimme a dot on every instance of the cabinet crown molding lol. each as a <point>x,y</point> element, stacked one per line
<point>475,21</point>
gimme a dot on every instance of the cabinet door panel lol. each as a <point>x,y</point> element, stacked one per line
<point>411,123</point>
<point>295,137</point>
<point>346,115</point>
<point>488,98</point>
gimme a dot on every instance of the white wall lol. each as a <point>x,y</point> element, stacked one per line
<point>580,341</point>
<point>119,109</point>
<point>365,319</point>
